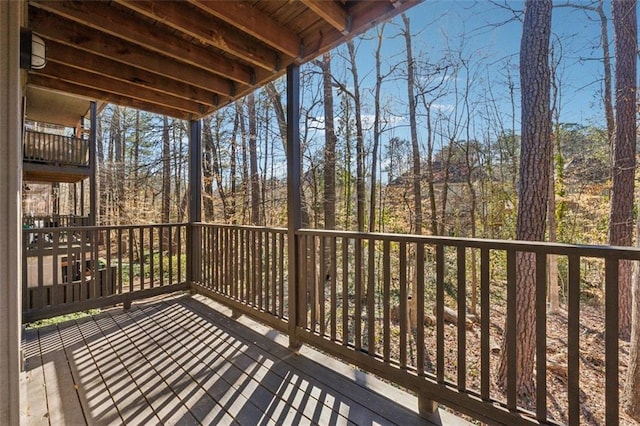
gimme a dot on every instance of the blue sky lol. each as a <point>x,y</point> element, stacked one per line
<point>490,33</point>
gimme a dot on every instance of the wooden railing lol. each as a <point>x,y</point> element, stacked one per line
<point>245,267</point>
<point>50,148</point>
<point>369,299</point>
<point>55,221</point>
<point>78,268</point>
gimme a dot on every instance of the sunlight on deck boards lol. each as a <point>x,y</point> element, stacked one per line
<point>179,360</point>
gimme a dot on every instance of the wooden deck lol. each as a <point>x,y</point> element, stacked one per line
<point>183,360</point>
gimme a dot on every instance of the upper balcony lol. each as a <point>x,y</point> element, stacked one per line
<point>50,157</point>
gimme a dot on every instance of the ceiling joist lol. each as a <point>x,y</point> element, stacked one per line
<point>186,59</point>
<point>101,17</point>
<point>253,22</point>
<point>216,34</point>
<point>331,12</point>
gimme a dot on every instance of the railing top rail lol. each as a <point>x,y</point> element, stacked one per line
<point>101,227</point>
<point>584,250</point>
<point>37,132</point>
<point>247,227</point>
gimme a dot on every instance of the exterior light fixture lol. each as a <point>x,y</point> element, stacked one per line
<point>32,51</point>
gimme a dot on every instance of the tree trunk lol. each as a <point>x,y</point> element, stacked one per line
<point>534,183</point>
<point>276,100</point>
<point>253,161</point>
<point>329,146</point>
<point>207,169</point>
<point>166,171</point>
<point>360,187</point>
<point>376,132</point>
<point>625,28</point>
<point>417,177</point>
<point>624,160</point>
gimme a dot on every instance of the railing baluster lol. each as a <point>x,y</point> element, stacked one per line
<point>541,336</point>
<point>161,238</point>
<point>241,265</point>
<point>345,291</point>
<point>403,305</point>
<point>41,295</point>
<point>84,294</point>
<point>321,284</point>
<point>119,250</point>
<point>247,281</point>
<point>56,298</point>
<point>141,258</point>
<point>419,297</point>
<point>171,254</point>
<point>258,270</point>
<point>357,270</point>
<point>611,341</point>
<point>313,281</point>
<point>512,306</point>
<point>282,279</point>
<point>267,250</point>
<point>179,244</point>
<point>440,313</point>
<point>485,360</point>
<point>274,272</point>
<point>386,300</point>
<point>371,309</point>
<point>462,317</point>
<point>333,278</point>
<point>228,267</point>
<point>108,273</point>
<point>573,341</point>
<point>311,277</point>
<point>131,274</point>
<point>152,272</point>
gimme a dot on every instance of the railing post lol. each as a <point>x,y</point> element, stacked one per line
<point>93,137</point>
<point>294,205</point>
<point>11,114</point>
<point>195,202</point>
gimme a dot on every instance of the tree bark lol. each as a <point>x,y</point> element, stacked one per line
<point>329,146</point>
<point>624,150</point>
<point>534,183</point>
<point>360,187</point>
<point>166,171</point>
<point>417,176</point>
<point>625,28</point>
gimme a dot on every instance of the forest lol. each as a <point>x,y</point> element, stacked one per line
<point>417,127</point>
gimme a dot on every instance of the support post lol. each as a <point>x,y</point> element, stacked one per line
<point>93,167</point>
<point>426,407</point>
<point>195,201</point>
<point>294,204</point>
<point>10,210</point>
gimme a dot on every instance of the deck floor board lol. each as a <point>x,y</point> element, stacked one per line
<point>183,360</point>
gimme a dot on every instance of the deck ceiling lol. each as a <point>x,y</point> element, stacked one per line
<point>185,59</point>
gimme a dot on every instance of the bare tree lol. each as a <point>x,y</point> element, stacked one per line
<point>417,175</point>
<point>534,183</point>
<point>624,150</point>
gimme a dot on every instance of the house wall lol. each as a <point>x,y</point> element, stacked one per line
<point>11,15</point>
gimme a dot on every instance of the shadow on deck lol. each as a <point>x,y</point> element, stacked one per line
<point>181,360</point>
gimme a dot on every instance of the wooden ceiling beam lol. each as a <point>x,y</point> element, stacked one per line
<point>249,20</point>
<point>52,27</point>
<point>332,12</point>
<point>364,15</point>
<point>208,31</point>
<point>111,85</point>
<point>67,55</point>
<point>42,80</point>
<point>105,18</point>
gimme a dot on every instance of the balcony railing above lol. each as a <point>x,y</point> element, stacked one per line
<point>47,148</point>
<point>54,221</point>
